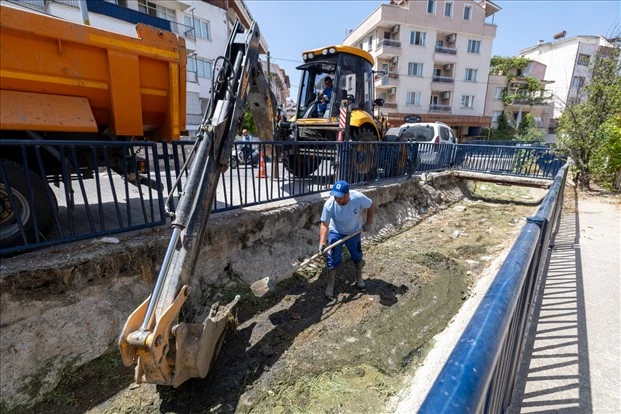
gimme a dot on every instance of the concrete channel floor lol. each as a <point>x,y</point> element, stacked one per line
<point>572,360</point>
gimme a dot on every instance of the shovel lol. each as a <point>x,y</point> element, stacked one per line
<point>262,286</point>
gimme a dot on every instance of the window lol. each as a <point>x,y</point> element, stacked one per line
<point>495,116</point>
<point>156,10</point>
<point>122,3</point>
<point>471,75</point>
<point>431,6</point>
<point>415,69</point>
<point>467,101</point>
<point>578,82</point>
<point>417,38</point>
<point>467,12</point>
<point>412,98</point>
<point>498,93</point>
<point>370,43</point>
<point>448,9</point>
<point>202,67</point>
<point>474,46</point>
<point>201,27</point>
<point>583,60</point>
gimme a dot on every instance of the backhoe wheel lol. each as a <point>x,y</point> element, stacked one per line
<point>362,155</point>
<point>10,234</point>
<point>300,165</point>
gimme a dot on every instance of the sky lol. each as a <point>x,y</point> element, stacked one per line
<point>292,26</point>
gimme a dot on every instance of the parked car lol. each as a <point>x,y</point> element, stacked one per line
<point>435,141</point>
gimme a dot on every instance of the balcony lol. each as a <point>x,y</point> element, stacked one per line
<point>446,50</point>
<point>390,105</point>
<point>442,79</point>
<point>439,108</point>
<point>388,80</point>
<point>387,48</point>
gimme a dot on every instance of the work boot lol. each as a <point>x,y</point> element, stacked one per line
<point>359,280</point>
<point>330,287</point>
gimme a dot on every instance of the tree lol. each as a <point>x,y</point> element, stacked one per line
<point>528,131</point>
<point>248,123</point>
<point>584,127</point>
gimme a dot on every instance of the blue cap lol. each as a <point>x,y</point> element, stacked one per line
<point>340,188</point>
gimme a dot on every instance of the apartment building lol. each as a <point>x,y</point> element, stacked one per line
<point>568,63</point>
<point>205,25</point>
<point>432,59</point>
<point>508,93</point>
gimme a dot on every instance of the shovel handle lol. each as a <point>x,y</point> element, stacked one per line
<point>316,255</point>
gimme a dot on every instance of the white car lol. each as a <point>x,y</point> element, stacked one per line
<point>429,133</point>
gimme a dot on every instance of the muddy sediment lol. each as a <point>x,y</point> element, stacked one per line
<point>296,352</point>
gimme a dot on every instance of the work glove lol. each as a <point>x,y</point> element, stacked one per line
<point>366,227</point>
<point>322,248</point>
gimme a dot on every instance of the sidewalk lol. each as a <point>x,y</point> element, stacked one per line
<point>574,342</point>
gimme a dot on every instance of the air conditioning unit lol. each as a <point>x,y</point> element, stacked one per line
<point>446,95</point>
<point>393,91</point>
<point>394,60</point>
<point>451,38</point>
<point>395,29</point>
<point>448,66</point>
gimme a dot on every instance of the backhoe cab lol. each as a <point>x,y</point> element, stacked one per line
<point>351,71</point>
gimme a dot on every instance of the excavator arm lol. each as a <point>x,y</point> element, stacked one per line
<point>166,350</point>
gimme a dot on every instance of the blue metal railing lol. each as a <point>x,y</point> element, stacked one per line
<point>102,188</point>
<point>479,375</point>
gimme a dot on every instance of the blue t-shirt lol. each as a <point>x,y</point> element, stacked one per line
<point>328,92</point>
<point>345,219</point>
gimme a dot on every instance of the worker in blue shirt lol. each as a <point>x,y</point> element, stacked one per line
<point>327,91</point>
<point>341,217</point>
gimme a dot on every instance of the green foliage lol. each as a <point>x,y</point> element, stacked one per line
<point>248,123</point>
<point>606,159</point>
<point>585,129</point>
<point>505,131</point>
<point>507,66</point>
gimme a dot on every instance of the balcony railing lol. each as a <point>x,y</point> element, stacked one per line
<point>388,43</point>
<point>447,50</point>
<point>389,75</point>
<point>440,108</point>
<point>442,79</point>
<point>389,105</point>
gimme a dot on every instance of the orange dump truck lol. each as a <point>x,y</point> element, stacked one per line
<point>68,82</point>
<point>65,80</point>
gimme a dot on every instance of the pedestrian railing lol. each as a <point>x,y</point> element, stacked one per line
<point>60,191</point>
<point>480,373</point>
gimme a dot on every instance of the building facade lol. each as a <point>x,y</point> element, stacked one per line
<point>568,63</point>
<point>205,26</point>
<point>510,94</point>
<point>432,58</point>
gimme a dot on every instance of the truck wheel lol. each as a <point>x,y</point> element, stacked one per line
<point>10,234</point>
<point>363,155</point>
<point>301,165</point>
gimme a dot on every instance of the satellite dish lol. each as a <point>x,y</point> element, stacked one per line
<point>560,35</point>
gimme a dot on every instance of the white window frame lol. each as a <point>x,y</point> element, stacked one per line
<point>583,56</point>
<point>157,10</point>
<point>207,65</point>
<point>416,98</point>
<point>448,3</point>
<point>467,101</point>
<point>199,26</point>
<point>422,38</point>
<point>498,93</point>
<point>469,7</point>
<point>578,82</point>
<point>470,75</point>
<point>415,69</point>
<point>474,46</point>
<point>431,3</point>
<point>495,116</point>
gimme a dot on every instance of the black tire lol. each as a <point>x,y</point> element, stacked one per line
<point>301,165</point>
<point>363,157</point>
<point>10,234</point>
<point>234,162</point>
